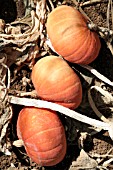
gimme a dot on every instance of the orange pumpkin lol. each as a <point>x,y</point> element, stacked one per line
<point>43,135</point>
<point>70,36</point>
<point>54,80</point>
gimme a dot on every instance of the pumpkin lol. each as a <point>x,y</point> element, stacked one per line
<point>70,36</point>
<point>43,135</point>
<point>55,81</point>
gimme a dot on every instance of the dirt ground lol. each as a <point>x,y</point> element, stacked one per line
<point>97,147</point>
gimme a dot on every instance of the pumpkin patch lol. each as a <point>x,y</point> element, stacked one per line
<point>56,84</point>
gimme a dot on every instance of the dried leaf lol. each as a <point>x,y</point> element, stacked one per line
<point>5,117</point>
<point>83,162</point>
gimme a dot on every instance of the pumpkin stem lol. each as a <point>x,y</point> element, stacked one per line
<point>104,33</point>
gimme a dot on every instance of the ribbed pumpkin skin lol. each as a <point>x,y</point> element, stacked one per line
<point>43,135</point>
<point>54,80</point>
<point>70,36</point>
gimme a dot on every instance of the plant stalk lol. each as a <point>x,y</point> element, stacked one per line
<point>56,107</point>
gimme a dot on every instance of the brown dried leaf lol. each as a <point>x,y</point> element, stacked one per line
<point>17,41</point>
<point>83,162</point>
<point>5,117</point>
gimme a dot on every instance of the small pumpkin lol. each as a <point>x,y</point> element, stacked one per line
<point>55,81</point>
<point>43,135</point>
<point>70,36</point>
